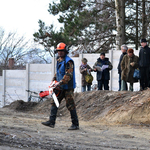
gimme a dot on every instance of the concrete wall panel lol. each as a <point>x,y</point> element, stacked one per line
<point>15,73</point>
<point>20,82</point>
<point>40,77</point>
<point>40,67</point>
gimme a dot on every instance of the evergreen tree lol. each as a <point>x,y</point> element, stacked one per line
<point>88,26</point>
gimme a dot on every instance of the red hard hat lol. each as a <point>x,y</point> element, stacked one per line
<point>61,46</point>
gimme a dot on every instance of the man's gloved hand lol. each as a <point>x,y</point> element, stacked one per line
<point>56,84</point>
<point>54,78</point>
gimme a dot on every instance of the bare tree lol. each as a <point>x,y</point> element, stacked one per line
<point>23,51</point>
<point>12,46</point>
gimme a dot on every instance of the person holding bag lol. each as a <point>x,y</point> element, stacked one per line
<point>129,63</point>
<point>87,78</point>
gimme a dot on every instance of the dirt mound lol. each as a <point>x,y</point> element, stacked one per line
<point>107,106</point>
<point>22,106</point>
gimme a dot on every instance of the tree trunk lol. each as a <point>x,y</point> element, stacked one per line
<point>144,27</point>
<point>136,40</point>
<point>120,23</point>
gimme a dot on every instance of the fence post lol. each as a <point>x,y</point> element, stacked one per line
<point>80,59</point>
<point>3,88</point>
<point>53,66</point>
<point>27,80</point>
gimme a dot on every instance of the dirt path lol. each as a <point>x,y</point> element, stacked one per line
<point>24,131</point>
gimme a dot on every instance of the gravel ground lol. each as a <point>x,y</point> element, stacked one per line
<point>24,131</point>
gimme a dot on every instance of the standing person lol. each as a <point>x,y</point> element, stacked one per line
<point>103,66</point>
<point>144,64</point>
<point>128,65</point>
<point>84,68</point>
<point>65,75</point>
<point>124,49</point>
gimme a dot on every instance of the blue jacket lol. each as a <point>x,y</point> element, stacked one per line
<point>60,72</point>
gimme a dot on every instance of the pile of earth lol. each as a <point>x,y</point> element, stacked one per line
<point>110,107</point>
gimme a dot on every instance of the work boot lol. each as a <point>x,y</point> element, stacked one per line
<point>73,127</point>
<point>49,124</point>
<point>74,119</point>
<point>52,118</point>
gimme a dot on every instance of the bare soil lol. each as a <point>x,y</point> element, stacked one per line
<point>108,121</point>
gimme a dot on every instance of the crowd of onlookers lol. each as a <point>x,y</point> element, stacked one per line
<point>127,65</point>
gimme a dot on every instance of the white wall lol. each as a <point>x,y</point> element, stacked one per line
<point>40,76</point>
<point>15,81</point>
<point>37,77</point>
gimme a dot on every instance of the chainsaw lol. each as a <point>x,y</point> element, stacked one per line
<point>54,92</point>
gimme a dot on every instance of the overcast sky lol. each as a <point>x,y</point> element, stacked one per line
<point>22,16</point>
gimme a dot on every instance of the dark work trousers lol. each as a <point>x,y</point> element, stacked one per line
<point>70,104</point>
<point>69,97</point>
<point>102,83</point>
<point>144,80</point>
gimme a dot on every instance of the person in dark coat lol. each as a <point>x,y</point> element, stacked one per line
<point>144,64</point>
<point>103,66</point>
<point>84,69</point>
<point>124,49</point>
<point>128,65</point>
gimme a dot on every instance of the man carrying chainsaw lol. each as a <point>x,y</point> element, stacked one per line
<point>65,75</point>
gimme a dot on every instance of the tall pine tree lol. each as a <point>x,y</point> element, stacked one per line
<point>88,26</point>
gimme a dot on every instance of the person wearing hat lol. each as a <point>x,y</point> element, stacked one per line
<point>128,65</point>
<point>102,66</point>
<point>65,75</point>
<point>84,70</point>
<point>144,64</point>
